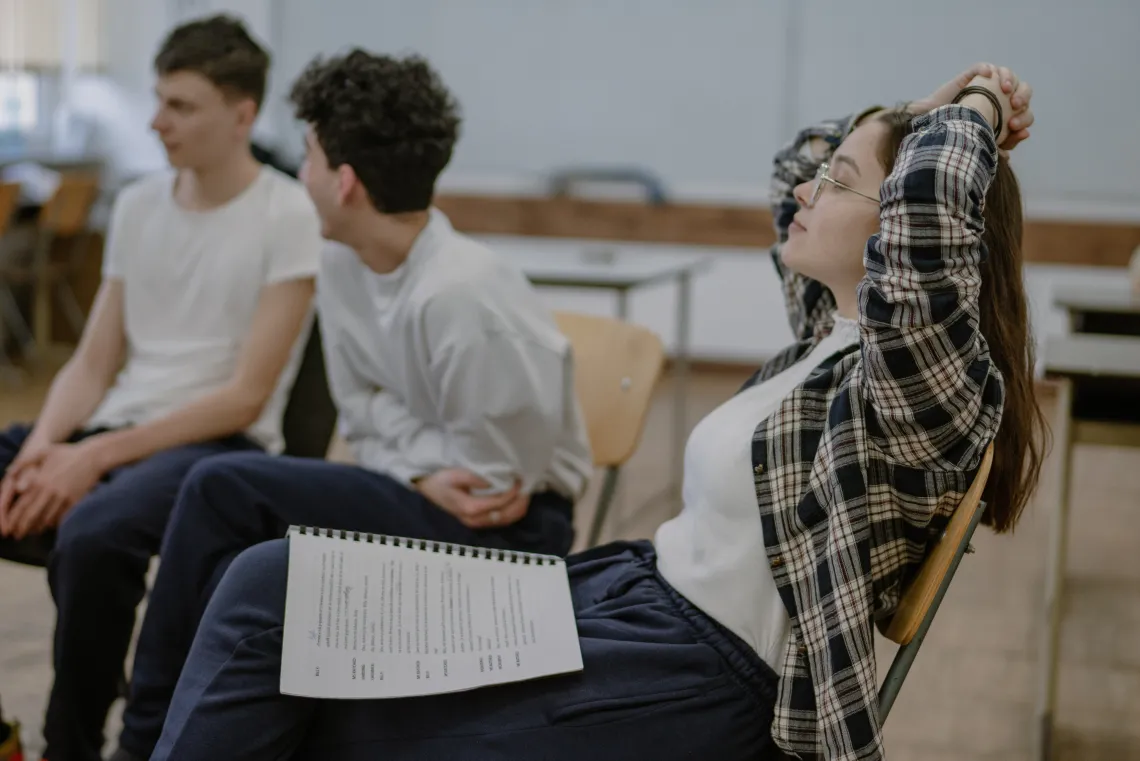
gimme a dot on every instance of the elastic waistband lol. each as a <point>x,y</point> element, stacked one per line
<point>753,674</point>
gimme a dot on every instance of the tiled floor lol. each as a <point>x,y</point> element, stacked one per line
<point>970,695</point>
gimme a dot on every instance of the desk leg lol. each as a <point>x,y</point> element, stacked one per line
<point>41,307</point>
<point>681,379</point>
<point>1056,563</point>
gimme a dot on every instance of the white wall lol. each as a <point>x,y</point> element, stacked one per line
<point>702,92</point>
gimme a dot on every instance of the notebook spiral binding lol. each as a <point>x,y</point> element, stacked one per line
<point>428,545</point>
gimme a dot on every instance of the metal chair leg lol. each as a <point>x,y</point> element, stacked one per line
<point>904,658</point>
<point>605,499</point>
<point>10,314</point>
<point>71,309</point>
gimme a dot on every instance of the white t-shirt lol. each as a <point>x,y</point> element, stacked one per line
<point>191,282</point>
<point>713,552</point>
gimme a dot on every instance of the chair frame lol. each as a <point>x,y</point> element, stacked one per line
<point>906,654</point>
<point>613,456</point>
<point>602,508</point>
<point>898,631</point>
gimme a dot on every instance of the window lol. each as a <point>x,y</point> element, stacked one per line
<point>34,34</point>
<point>40,40</point>
<point>19,101</point>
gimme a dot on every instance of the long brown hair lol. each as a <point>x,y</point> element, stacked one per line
<point>1004,322</point>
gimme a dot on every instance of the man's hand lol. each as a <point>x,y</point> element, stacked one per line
<point>45,489</point>
<point>18,475</point>
<point>451,490</point>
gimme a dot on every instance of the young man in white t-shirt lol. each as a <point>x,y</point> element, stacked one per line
<point>453,383</point>
<point>190,351</point>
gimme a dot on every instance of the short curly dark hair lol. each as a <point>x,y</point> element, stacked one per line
<point>391,119</point>
<point>221,50</point>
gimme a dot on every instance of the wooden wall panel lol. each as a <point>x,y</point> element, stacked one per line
<point>1046,241</point>
<point>612,220</point>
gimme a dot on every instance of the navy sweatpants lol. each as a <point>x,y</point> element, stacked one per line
<point>97,573</point>
<point>662,681</point>
<point>230,503</point>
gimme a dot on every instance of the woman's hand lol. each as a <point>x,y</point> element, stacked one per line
<point>1017,118</point>
<point>1018,123</point>
<point>946,93</point>
<point>984,105</point>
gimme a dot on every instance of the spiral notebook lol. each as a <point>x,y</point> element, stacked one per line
<point>373,616</point>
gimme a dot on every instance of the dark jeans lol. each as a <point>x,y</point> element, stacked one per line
<point>230,503</point>
<point>97,574</point>
<point>661,681</point>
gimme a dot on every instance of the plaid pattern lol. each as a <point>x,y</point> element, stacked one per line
<point>861,466</point>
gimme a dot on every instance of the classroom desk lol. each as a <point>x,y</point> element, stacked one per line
<point>1099,401</point>
<point>618,268</point>
<point>1111,310</point>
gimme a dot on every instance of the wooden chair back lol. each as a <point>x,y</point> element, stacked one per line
<point>942,561</point>
<point>67,210</point>
<point>9,198</point>
<point>616,368</point>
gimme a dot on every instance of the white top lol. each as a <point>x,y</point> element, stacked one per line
<point>451,361</point>
<point>713,552</point>
<point>192,280</point>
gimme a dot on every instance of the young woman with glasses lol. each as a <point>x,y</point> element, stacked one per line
<point>745,630</point>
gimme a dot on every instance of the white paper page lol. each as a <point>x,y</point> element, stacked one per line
<point>371,620</point>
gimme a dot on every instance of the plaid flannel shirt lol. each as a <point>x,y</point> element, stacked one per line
<point>861,466</point>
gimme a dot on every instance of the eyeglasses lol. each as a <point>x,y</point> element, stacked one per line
<point>822,176</point>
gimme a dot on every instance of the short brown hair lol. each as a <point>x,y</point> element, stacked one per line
<point>221,50</point>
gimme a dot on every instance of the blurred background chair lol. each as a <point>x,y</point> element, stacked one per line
<point>9,197</point>
<point>616,368</point>
<point>64,216</point>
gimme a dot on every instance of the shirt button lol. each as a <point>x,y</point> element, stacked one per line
<point>758,470</point>
<point>802,649</point>
<point>777,561</point>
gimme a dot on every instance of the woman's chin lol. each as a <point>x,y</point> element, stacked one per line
<point>791,255</point>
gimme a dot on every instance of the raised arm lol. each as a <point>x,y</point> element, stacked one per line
<point>933,395</point>
<point>808,301</point>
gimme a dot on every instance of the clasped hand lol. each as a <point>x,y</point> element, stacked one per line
<point>1014,95</point>
<point>452,489</point>
<point>42,484</point>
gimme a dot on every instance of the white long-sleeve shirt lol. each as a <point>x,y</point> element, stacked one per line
<point>451,361</point>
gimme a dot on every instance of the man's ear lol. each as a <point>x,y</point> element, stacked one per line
<point>246,113</point>
<point>347,184</point>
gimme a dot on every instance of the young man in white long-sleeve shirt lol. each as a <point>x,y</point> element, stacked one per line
<point>454,384</point>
